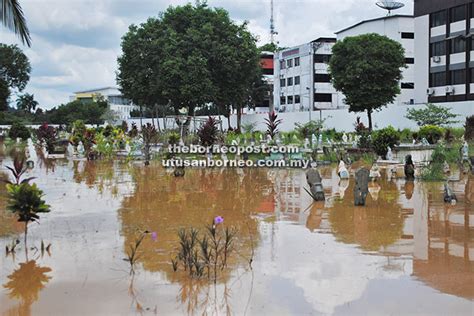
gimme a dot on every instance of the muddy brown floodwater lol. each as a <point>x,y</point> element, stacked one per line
<point>406,252</point>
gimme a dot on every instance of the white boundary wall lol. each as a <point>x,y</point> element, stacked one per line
<point>342,120</point>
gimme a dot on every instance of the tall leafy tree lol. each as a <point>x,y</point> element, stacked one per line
<point>367,69</point>
<point>26,102</point>
<point>189,56</point>
<point>14,72</point>
<point>12,17</point>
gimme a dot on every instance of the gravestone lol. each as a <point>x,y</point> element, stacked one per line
<point>344,138</point>
<point>446,168</point>
<point>374,172</point>
<point>409,168</point>
<point>449,196</point>
<point>361,187</point>
<point>314,141</point>
<point>342,170</point>
<point>179,172</point>
<point>306,143</point>
<point>315,185</point>
<point>389,154</point>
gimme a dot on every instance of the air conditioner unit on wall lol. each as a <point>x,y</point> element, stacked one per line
<point>437,59</point>
<point>430,91</point>
<point>449,90</point>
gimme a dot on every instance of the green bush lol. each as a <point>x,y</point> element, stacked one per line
<point>433,172</point>
<point>406,135</point>
<point>383,138</point>
<point>18,130</point>
<point>432,133</point>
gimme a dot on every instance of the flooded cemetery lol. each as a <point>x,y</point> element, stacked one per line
<point>125,239</point>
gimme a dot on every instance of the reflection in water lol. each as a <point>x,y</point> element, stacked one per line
<point>162,203</point>
<point>374,226</point>
<point>309,257</point>
<point>450,263</point>
<point>24,284</point>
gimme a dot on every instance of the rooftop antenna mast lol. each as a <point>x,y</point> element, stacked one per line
<point>389,5</point>
<point>272,25</point>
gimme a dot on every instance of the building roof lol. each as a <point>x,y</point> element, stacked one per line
<point>325,40</point>
<point>376,19</point>
<point>94,90</point>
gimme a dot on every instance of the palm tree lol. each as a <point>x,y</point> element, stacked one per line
<point>12,17</point>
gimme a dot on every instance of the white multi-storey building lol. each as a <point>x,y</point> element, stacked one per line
<point>302,78</point>
<point>445,53</point>
<point>401,29</point>
<point>117,103</point>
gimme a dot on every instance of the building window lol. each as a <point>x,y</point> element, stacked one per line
<point>408,35</point>
<point>282,100</point>
<point>438,49</point>
<point>438,79</point>
<point>282,82</point>
<point>458,76</point>
<point>322,97</point>
<point>322,78</point>
<point>289,63</point>
<point>290,99</point>
<point>290,82</point>
<point>297,99</point>
<point>438,18</point>
<point>282,64</point>
<point>321,58</point>
<point>458,45</point>
<point>408,85</point>
<point>297,61</point>
<point>297,80</point>
<point>458,13</point>
<point>472,76</point>
<point>472,12</point>
<point>409,61</point>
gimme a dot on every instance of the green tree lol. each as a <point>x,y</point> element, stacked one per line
<point>12,17</point>
<point>432,115</point>
<point>26,103</point>
<point>188,56</point>
<point>367,69</point>
<point>14,72</point>
<point>269,47</point>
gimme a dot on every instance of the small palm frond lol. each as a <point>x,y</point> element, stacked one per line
<point>12,17</point>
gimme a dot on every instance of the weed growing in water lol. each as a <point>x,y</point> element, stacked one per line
<point>132,254</point>
<point>208,252</point>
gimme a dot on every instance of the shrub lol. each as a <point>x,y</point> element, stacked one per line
<point>47,134</point>
<point>308,129</point>
<point>173,138</point>
<point>432,133</point>
<point>25,201</point>
<point>208,132</point>
<point>433,172</point>
<point>449,154</point>
<point>383,138</point>
<point>364,134</point>
<point>406,135</point>
<point>469,128</point>
<point>18,130</point>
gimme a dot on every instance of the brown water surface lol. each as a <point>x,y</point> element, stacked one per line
<point>405,252</point>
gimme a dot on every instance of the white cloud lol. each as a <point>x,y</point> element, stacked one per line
<point>76,43</point>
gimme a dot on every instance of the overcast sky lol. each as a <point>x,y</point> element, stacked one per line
<point>76,42</point>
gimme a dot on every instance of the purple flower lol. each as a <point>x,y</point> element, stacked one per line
<point>154,236</point>
<point>218,220</point>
